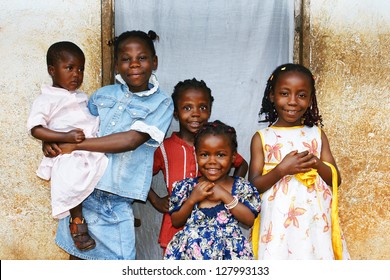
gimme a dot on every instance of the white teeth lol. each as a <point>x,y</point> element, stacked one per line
<point>195,124</point>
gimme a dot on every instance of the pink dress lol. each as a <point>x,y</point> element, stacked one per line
<point>73,176</point>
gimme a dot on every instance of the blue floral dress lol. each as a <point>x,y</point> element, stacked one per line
<point>211,233</point>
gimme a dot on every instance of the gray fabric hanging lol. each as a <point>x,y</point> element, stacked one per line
<point>232,45</point>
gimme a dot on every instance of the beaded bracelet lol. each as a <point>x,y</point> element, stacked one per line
<point>232,204</point>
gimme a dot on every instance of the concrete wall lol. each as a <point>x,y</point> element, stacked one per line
<point>347,45</point>
<point>27,29</point>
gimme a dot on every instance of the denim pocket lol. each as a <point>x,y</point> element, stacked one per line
<point>104,105</point>
<point>137,112</point>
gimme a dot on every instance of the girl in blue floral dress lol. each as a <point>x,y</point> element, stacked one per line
<point>211,206</point>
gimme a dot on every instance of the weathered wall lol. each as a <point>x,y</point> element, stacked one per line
<point>347,45</point>
<point>27,29</point>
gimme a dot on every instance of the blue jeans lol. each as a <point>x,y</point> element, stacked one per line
<point>110,222</point>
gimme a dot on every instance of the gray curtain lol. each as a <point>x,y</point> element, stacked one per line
<point>232,45</point>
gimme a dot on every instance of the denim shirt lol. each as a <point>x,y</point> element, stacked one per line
<point>129,174</point>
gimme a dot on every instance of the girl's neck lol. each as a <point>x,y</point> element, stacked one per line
<point>281,123</point>
<point>226,181</point>
<point>287,126</point>
<point>187,137</point>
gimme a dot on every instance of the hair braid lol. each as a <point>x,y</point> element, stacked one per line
<point>217,128</point>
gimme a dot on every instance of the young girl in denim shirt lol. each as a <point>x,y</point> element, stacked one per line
<point>134,117</point>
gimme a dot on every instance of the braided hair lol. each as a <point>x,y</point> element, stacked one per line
<point>190,84</point>
<point>311,117</point>
<point>147,38</point>
<point>217,128</point>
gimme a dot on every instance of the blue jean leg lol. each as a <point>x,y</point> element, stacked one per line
<point>110,222</point>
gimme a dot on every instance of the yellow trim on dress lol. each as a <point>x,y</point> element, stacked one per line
<point>287,127</point>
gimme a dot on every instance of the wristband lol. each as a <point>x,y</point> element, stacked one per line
<point>232,204</point>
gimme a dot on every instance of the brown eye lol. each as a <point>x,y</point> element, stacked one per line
<point>302,95</point>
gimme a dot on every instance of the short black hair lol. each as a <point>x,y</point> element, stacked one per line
<point>56,51</point>
<point>148,38</point>
<point>190,84</point>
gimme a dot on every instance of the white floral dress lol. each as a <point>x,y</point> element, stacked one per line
<point>295,220</point>
<point>211,233</point>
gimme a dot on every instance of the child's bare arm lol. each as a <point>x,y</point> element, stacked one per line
<point>242,213</point>
<point>113,143</point>
<point>326,155</point>
<point>241,170</point>
<point>48,135</point>
<point>161,204</point>
<point>256,166</point>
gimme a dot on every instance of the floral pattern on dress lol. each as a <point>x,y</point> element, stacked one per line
<point>295,221</point>
<point>211,233</point>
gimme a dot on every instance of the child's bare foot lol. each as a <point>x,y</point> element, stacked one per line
<point>79,232</point>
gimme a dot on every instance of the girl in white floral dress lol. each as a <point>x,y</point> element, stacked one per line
<point>293,168</point>
<point>211,206</point>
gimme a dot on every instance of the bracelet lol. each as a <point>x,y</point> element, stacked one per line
<point>232,204</point>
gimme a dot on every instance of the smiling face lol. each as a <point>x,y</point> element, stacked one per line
<point>215,156</point>
<point>193,109</point>
<point>135,63</point>
<point>68,71</point>
<point>291,97</point>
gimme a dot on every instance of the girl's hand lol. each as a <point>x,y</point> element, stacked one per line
<point>294,163</point>
<point>313,161</point>
<point>75,136</point>
<point>67,148</point>
<point>161,204</point>
<point>50,149</point>
<point>219,193</point>
<point>201,191</point>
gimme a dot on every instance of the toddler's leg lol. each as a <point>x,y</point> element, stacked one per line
<point>79,230</point>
